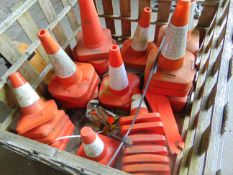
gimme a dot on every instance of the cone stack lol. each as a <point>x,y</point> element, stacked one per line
<point>74,84</point>
<point>39,120</point>
<point>117,89</point>
<point>94,42</point>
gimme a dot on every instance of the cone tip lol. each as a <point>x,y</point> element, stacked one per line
<point>115,59</point>
<point>16,79</point>
<point>49,43</point>
<point>87,135</point>
<point>145,18</point>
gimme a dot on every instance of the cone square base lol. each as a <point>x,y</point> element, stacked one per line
<point>110,145</point>
<point>63,127</point>
<point>80,92</point>
<point>81,53</point>
<point>147,169</point>
<point>174,80</point>
<point>45,129</point>
<point>101,65</point>
<point>145,159</point>
<point>135,59</point>
<point>178,103</point>
<point>28,122</point>
<point>145,138</point>
<point>108,99</point>
<point>146,149</point>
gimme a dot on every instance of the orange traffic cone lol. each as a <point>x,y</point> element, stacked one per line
<point>73,84</point>
<point>135,51</point>
<point>174,61</point>
<point>94,42</point>
<point>135,103</point>
<point>31,105</point>
<point>96,147</point>
<point>117,88</point>
<point>193,34</point>
<point>38,119</point>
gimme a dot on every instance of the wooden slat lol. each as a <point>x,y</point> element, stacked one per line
<point>108,10</point>
<point>50,15</point>
<point>125,10</point>
<point>141,5</point>
<point>71,16</point>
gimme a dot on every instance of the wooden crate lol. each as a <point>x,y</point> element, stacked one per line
<point>203,123</point>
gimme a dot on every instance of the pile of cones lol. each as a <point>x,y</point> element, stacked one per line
<point>39,120</point>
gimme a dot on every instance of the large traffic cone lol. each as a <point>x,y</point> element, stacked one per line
<point>135,51</point>
<point>74,84</point>
<point>193,33</point>
<point>117,88</point>
<point>35,112</point>
<point>94,42</point>
<point>96,147</point>
<point>174,61</point>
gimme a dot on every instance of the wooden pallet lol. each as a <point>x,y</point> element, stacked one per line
<point>202,126</point>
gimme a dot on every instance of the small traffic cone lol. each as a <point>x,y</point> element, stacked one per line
<point>94,42</point>
<point>96,147</point>
<point>174,61</point>
<point>135,103</point>
<point>73,84</point>
<point>193,33</point>
<point>35,112</point>
<point>117,88</point>
<point>135,51</point>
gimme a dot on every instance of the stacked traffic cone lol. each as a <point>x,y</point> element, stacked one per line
<point>117,88</point>
<point>193,33</point>
<point>74,84</point>
<point>135,51</point>
<point>148,153</point>
<point>94,42</point>
<point>176,70</point>
<point>39,120</point>
<point>97,147</point>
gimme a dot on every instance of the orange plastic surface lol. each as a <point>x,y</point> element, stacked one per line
<point>145,149</point>
<point>145,159</point>
<point>137,139</point>
<point>45,129</point>
<point>146,127</point>
<point>108,99</point>
<point>101,65</point>
<point>149,117</point>
<point>162,104</point>
<point>28,122</point>
<point>79,93</point>
<point>178,103</point>
<point>110,146</point>
<point>147,168</point>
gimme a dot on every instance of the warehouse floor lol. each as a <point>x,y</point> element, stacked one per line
<point>12,164</point>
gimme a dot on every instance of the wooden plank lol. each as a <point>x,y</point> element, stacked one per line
<point>71,15</point>
<point>108,10</point>
<point>125,10</point>
<point>53,157</point>
<point>12,54</point>
<point>51,15</point>
<point>141,5</point>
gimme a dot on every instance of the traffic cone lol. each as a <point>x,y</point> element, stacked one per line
<point>35,112</point>
<point>96,147</point>
<point>94,42</point>
<point>174,61</point>
<point>193,33</point>
<point>135,51</point>
<point>147,169</point>
<point>119,85</point>
<point>73,83</point>
<point>135,103</point>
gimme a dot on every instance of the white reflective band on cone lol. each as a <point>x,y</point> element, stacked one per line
<point>191,15</point>
<point>140,39</point>
<point>95,148</point>
<point>136,100</point>
<point>26,95</point>
<point>118,79</point>
<point>64,67</point>
<point>175,42</point>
